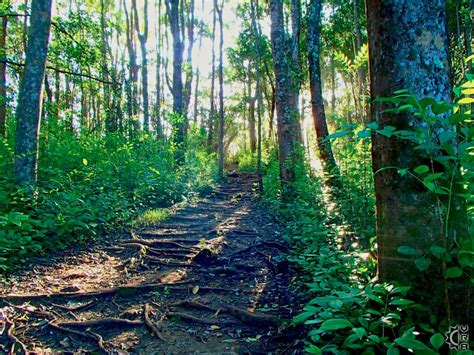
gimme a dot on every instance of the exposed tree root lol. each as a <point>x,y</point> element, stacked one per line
<point>253,318</point>
<point>161,262</point>
<point>195,304</point>
<point>119,290</point>
<point>76,308</point>
<point>14,339</point>
<point>275,245</point>
<point>88,334</point>
<point>191,318</point>
<point>240,313</point>
<point>101,322</point>
<point>155,243</point>
<point>150,324</point>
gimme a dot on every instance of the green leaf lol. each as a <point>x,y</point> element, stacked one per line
<point>439,108</point>
<point>411,344</point>
<point>427,101</point>
<point>387,131</point>
<point>393,351</point>
<point>421,169</point>
<point>422,263</point>
<point>338,134</point>
<point>313,349</point>
<point>438,251</point>
<point>84,161</point>
<point>406,250</point>
<point>446,136</point>
<point>453,272</point>
<point>335,324</point>
<point>437,340</point>
<point>400,302</point>
<point>300,318</point>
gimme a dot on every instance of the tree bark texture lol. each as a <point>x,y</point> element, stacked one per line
<point>28,112</point>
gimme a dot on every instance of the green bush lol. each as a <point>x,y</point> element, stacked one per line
<point>91,185</point>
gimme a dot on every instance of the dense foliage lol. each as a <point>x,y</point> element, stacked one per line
<point>89,186</point>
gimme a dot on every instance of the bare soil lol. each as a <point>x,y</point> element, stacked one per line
<point>212,278</point>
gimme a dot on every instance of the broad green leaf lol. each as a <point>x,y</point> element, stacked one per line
<point>84,161</point>
<point>300,318</point>
<point>411,344</point>
<point>338,134</point>
<point>422,263</point>
<point>453,272</point>
<point>400,302</point>
<point>421,169</point>
<point>437,340</point>
<point>406,250</point>
<point>393,351</point>
<point>335,324</point>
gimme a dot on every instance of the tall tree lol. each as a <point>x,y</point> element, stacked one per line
<point>212,112</point>
<point>258,91</point>
<point>172,9</point>
<point>414,57</point>
<point>220,142</point>
<point>189,59</point>
<point>317,102</point>
<point>289,132</point>
<point>142,38</point>
<point>159,88</point>
<point>28,113</point>
<point>3,74</point>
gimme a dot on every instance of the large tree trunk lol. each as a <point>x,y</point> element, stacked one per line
<point>220,143</point>
<point>142,37</point>
<point>317,102</point>
<point>408,54</point>
<point>28,113</point>
<point>289,132</point>
<point>172,8</point>
<point>3,76</point>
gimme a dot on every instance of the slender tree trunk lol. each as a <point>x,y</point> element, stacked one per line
<point>358,46</point>
<point>172,8</point>
<point>258,92</point>
<point>3,76</point>
<point>210,128</point>
<point>317,102</point>
<point>251,102</point>
<point>289,132</point>
<point>189,61</point>
<point>158,125</point>
<point>28,113</point>
<point>142,38</point>
<point>333,85</point>
<point>104,70</point>
<point>414,57</point>
<point>132,103</point>
<point>198,71</point>
<point>220,142</point>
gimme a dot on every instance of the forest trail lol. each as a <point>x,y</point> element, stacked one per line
<point>209,279</point>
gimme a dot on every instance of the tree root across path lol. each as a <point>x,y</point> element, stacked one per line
<point>228,264</point>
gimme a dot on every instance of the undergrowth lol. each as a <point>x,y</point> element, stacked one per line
<point>91,185</point>
<point>347,310</point>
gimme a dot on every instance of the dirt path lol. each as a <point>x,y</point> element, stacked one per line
<point>210,279</point>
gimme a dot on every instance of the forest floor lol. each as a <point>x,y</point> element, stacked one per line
<point>212,278</point>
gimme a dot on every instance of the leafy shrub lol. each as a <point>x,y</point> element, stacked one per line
<point>91,185</point>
